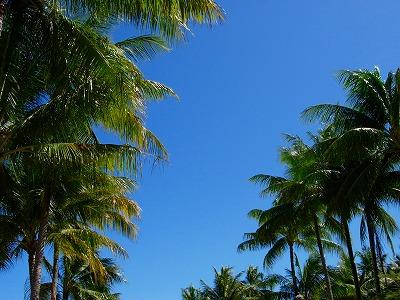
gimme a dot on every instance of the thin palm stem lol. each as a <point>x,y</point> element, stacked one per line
<point>54,275</point>
<point>381,259</point>
<point>322,257</point>
<point>372,247</point>
<point>39,249</point>
<point>351,258</point>
<point>65,290</point>
<point>31,262</point>
<point>292,268</point>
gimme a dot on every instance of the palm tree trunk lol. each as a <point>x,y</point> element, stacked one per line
<point>65,293</point>
<point>37,266</point>
<point>372,247</point>
<point>2,11</point>
<point>292,269</point>
<point>351,258</point>
<point>31,262</point>
<point>54,277</point>
<point>322,256</point>
<point>381,259</point>
<point>39,249</point>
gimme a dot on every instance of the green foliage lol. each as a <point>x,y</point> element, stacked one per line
<point>61,76</point>
<point>79,282</point>
<point>248,285</point>
<point>350,170</point>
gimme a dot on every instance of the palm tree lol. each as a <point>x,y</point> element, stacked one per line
<point>75,73</point>
<point>77,78</point>
<point>80,243</point>
<point>79,281</point>
<point>227,286</point>
<point>344,284</point>
<point>36,119</point>
<point>302,189</point>
<point>191,293</point>
<point>254,279</point>
<point>350,189</point>
<point>260,286</point>
<point>279,229</point>
<point>60,76</point>
<point>392,276</point>
<point>368,130</point>
<point>99,82</point>
<point>37,122</point>
<point>75,61</point>
<point>342,279</point>
<point>68,231</point>
<point>339,205</point>
<point>310,281</point>
<point>79,198</point>
<point>254,286</point>
<point>166,17</point>
<point>73,70</point>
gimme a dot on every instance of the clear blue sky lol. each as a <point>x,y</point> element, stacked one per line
<point>241,85</point>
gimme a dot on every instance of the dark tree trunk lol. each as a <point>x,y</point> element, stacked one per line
<point>322,256</point>
<point>65,292</point>
<point>31,262</point>
<point>2,11</point>
<point>351,258</point>
<point>37,266</point>
<point>39,249</point>
<point>372,247</point>
<point>54,275</point>
<point>381,258</point>
<point>293,269</point>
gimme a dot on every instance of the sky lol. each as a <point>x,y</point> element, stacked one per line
<point>241,85</point>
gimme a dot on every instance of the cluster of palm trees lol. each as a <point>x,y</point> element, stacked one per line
<point>349,171</point>
<point>61,76</point>
<point>253,284</point>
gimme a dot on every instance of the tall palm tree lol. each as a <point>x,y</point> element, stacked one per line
<point>86,207</point>
<point>368,131</point>
<point>79,198</point>
<point>342,209</point>
<point>60,76</point>
<point>51,118</point>
<point>302,189</point>
<point>279,229</point>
